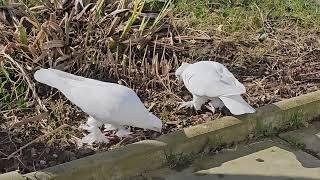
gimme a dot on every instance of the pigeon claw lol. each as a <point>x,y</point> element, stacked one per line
<point>111,137</point>
<point>122,133</point>
<point>185,105</point>
<point>94,137</point>
<point>211,108</point>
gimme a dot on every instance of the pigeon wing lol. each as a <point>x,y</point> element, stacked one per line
<point>111,104</point>
<point>107,102</point>
<point>237,105</point>
<point>211,80</point>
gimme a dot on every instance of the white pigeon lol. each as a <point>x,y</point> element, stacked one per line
<point>106,103</point>
<point>213,82</point>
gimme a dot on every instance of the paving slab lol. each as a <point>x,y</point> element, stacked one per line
<point>14,175</point>
<point>308,137</point>
<point>147,155</point>
<point>267,160</point>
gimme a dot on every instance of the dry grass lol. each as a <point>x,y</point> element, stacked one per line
<point>272,47</point>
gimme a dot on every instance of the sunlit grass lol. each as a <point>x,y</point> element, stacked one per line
<point>244,15</point>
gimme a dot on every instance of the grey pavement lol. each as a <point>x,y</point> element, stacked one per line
<point>265,160</point>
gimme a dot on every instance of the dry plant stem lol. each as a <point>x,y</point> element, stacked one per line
<point>37,139</point>
<point>121,142</point>
<point>27,120</point>
<point>25,76</point>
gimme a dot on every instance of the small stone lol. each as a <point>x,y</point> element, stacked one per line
<point>55,155</point>
<point>259,160</point>
<point>42,162</point>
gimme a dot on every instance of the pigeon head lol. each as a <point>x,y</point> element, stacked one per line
<point>154,123</point>
<point>180,70</point>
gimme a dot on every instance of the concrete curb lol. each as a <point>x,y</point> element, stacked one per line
<point>147,155</point>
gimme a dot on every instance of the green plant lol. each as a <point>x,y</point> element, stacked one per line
<point>213,144</point>
<point>137,8</point>
<point>13,90</point>
<point>178,161</point>
<point>296,120</point>
<point>99,7</point>
<point>244,15</point>
<point>265,130</point>
<point>294,142</point>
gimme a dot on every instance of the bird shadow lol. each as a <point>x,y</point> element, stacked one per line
<point>204,167</point>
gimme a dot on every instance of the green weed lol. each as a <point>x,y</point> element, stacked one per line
<point>13,91</point>
<point>297,121</point>
<point>265,130</point>
<point>248,15</point>
<point>178,161</point>
<point>294,142</point>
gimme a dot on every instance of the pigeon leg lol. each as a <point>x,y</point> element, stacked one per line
<point>197,102</point>
<point>109,131</point>
<point>91,124</point>
<point>123,132</point>
<point>95,136</point>
<point>109,127</point>
<point>211,108</point>
<point>185,105</point>
<point>217,103</point>
<point>214,104</point>
<point>119,131</point>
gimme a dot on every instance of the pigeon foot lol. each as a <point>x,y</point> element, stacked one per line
<point>185,105</point>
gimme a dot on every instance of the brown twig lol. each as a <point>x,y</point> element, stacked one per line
<point>31,119</point>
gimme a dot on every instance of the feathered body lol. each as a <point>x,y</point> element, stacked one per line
<point>105,102</point>
<point>208,80</point>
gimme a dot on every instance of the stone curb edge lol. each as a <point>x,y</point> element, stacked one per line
<point>136,158</point>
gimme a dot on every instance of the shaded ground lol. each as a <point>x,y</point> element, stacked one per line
<point>287,157</point>
<point>272,47</point>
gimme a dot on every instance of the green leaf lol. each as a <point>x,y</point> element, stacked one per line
<point>5,73</point>
<point>257,22</point>
<point>23,34</point>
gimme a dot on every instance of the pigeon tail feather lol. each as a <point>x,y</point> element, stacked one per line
<point>156,122</point>
<point>237,105</point>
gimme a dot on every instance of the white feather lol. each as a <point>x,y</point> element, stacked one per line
<point>108,103</point>
<point>237,105</point>
<point>208,80</point>
<point>211,79</point>
<point>94,136</point>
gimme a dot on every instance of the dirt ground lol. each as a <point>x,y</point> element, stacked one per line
<point>283,65</point>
